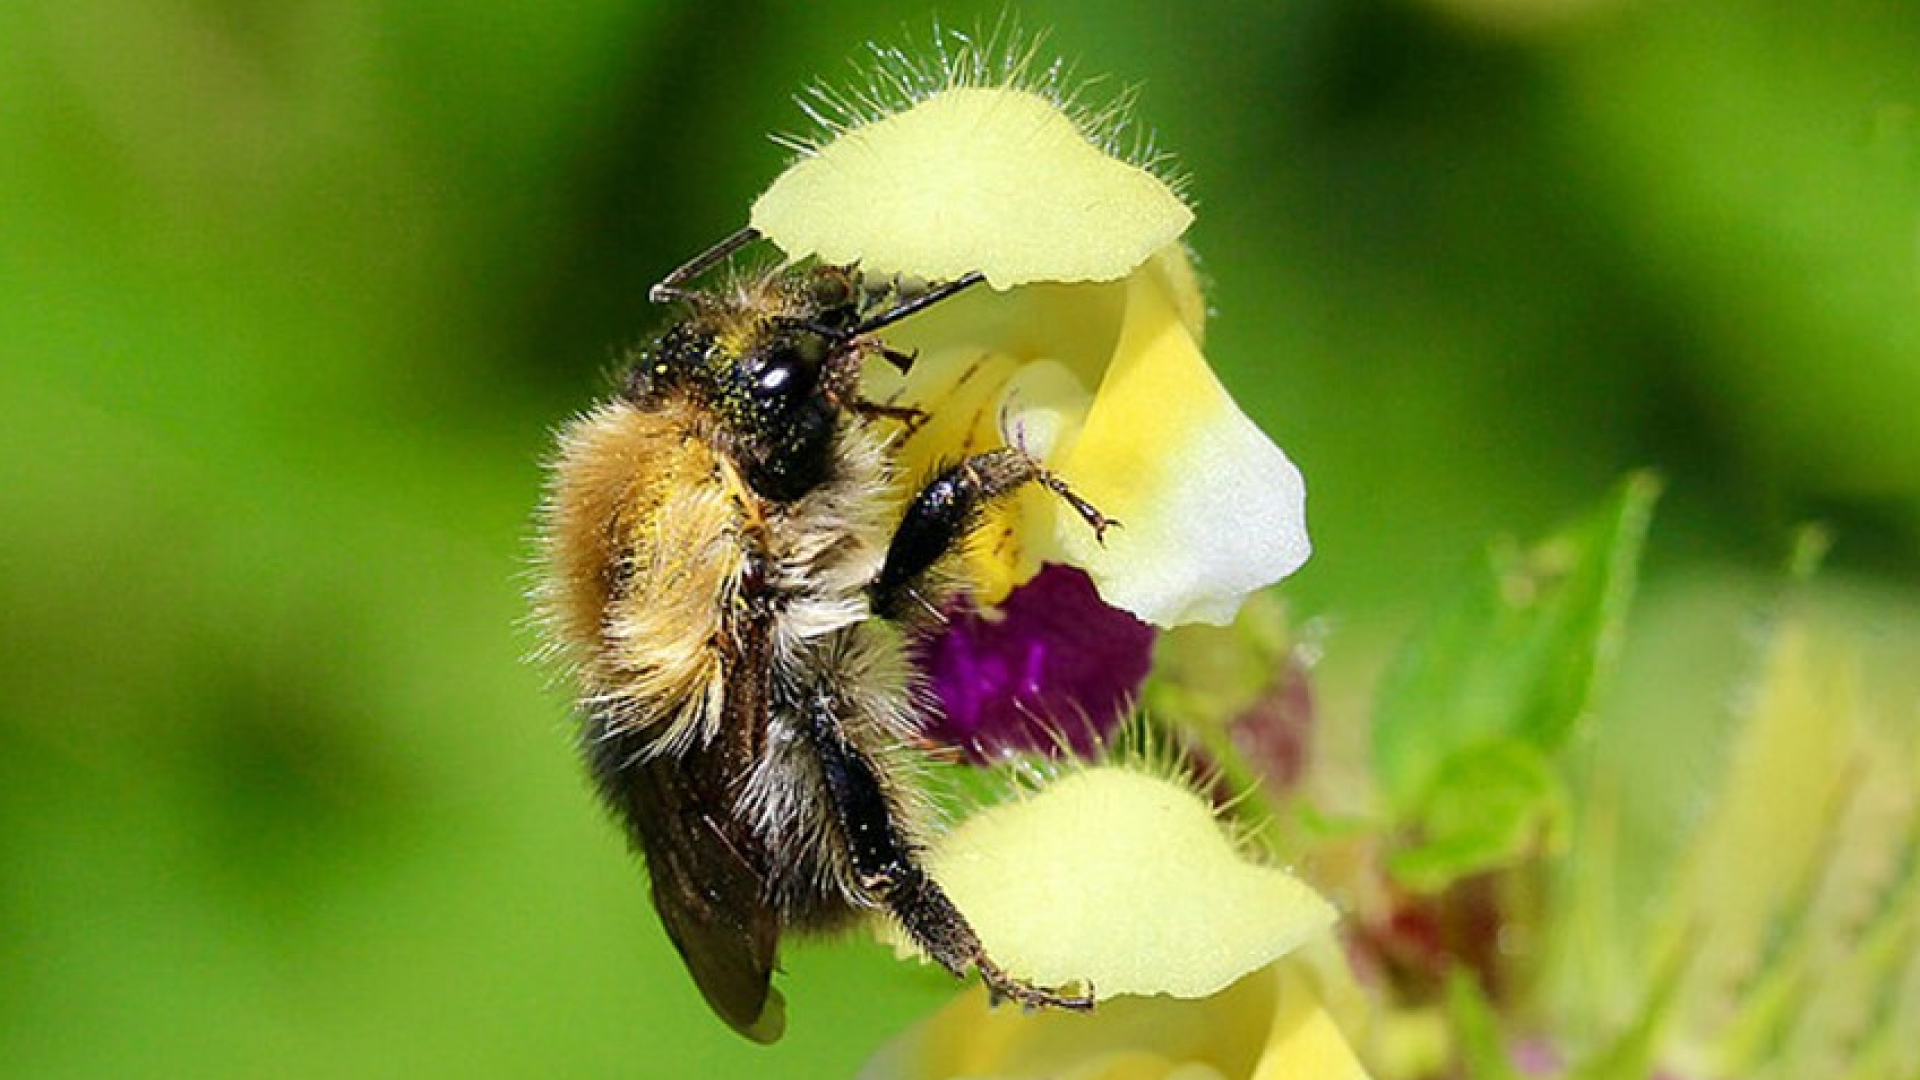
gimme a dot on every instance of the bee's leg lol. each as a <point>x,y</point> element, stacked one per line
<point>887,868</point>
<point>841,381</point>
<point>948,507</point>
<point>905,415</point>
<point>843,390</point>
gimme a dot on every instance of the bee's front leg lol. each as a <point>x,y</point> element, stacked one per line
<point>949,506</point>
<point>840,378</point>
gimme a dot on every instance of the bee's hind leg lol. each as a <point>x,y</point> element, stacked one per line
<point>886,866</point>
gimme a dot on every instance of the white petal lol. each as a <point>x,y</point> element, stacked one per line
<point>1211,509</point>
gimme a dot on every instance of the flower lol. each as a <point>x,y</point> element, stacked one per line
<point>1115,876</point>
<point>1085,352</point>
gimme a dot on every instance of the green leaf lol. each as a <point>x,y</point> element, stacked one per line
<point>1490,807</point>
<point>1514,655</point>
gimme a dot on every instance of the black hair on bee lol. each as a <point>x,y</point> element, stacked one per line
<point>726,571</point>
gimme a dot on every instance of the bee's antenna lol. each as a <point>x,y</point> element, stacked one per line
<point>669,289</point>
<point>919,303</point>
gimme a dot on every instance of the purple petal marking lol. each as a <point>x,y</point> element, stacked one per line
<point>1052,668</point>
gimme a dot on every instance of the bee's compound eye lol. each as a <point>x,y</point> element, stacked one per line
<point>775,378</point>
<point>783,377</point>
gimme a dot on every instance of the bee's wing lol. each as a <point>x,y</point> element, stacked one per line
<point>709,871</point>
<point>710,892</point>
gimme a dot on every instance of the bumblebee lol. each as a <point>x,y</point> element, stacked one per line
<point>730,575</point>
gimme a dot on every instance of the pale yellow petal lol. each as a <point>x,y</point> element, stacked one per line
<point>1124,879</point>
<point>1305,1041</point>
<point>993,179</point>
<point>1173,267</point>
<point>1223,1035</point>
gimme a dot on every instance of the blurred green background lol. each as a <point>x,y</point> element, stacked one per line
<point>292,296</point>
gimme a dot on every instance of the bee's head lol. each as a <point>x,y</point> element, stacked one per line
<point>767,361</point>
